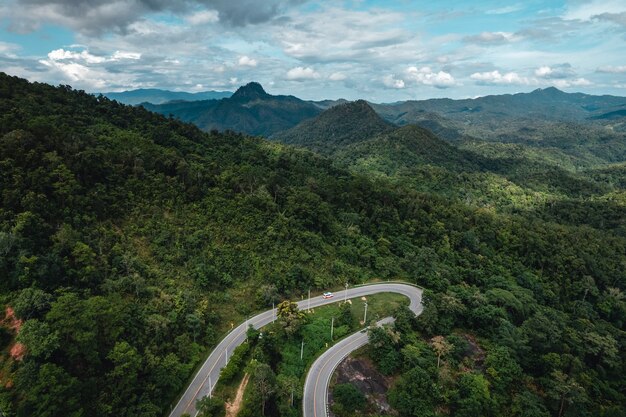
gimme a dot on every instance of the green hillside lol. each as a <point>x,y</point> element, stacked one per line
<point>130,241</point>
<point>249,110</point>
<point>338,126</point>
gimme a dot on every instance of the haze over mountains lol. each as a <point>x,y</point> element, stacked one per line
<point>158,96</point>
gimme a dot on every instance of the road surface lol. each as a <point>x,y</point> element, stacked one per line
<point>315,399</point>
<point>207,376</point>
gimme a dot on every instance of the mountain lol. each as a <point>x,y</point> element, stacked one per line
<point>582,130</point>
<point>357,139</point>
<point>156,96</point>
<point>407,147</point>
<point>549,104</point>
<point>326,104</point>
<point>130,242</point>
<point>249,110</point>
<point>337,126</point>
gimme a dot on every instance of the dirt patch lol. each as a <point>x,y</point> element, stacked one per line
<point>18,351</point>
<point>362,373</point>
<point>233,408</point>
<point>10,321</point>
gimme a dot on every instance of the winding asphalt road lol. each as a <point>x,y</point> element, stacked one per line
<point>315,400</point>
<point>207,376</point>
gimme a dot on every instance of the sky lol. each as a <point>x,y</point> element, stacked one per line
<point>382,51</point>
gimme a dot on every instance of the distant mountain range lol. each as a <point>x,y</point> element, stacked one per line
<point>355,137</point>
<point>502,118</point>
<point>549,104</point>
<point>249,110</point>
<point>157,96</point>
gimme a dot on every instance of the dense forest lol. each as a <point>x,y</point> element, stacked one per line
<point>129,241</point>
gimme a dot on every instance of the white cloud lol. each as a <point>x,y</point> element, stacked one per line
<point>203,17</point>
<point>6,48</point>
<point>543,71</point>
<point>392,82</point>
<point>426,76</point>
<point>302,73</point>
<point>612,69</point>
<point>245,61</point>
<point>555,71</point>
<point>337,76</point>
<point>126,55</point>
<point>592,9</point>
<point>335,34</point>
<point>63,55</point>
<point>495,77</point>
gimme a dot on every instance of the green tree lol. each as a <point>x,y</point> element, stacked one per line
<point>210,407</point>
<point>415,394</point>
<point>474,397</point>
<point>264,382</point>
<point>53,393</point>
<point>31,303</point>
<point>40,340</point>
<point>349,397</point>
<point>290,317</point>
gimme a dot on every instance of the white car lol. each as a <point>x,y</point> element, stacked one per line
<point>327,295</point>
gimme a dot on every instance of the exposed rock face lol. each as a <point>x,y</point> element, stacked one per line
<point>362,373</point>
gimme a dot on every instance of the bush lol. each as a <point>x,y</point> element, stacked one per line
<point>349,397</point>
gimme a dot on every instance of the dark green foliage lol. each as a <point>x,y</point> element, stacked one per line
<point>348,398</point>
<point>383,346</point>
<point>235,363</point>
<point>415,394</point>
<point>338,126</point>
<point>345,315</point>
<point>210,407</point>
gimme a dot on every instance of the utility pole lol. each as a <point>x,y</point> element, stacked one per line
<point>308,307</point>
<point>226,351</point>
<point>273,312</point>
<point>332,325</point>
<point>345,294</point>
<point>365,315</point>
<point>210,388</point>
<point>302,349</point>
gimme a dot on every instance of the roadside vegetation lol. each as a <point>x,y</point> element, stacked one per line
<point>288,347</point>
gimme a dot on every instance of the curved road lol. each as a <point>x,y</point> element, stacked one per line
<point>315,399</point>
<point>207,376</point>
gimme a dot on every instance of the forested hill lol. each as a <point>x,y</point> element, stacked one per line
<point>249,110</point>
<point>130,241</point>
<point>337,126</point>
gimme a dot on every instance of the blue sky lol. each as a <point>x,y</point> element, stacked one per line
<point>372,49</point>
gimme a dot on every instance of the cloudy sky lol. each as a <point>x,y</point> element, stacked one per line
<point>373,49</point>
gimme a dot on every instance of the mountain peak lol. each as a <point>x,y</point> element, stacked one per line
<point>250,91</point>
<point>549,91</point>
<point>340,125</point>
